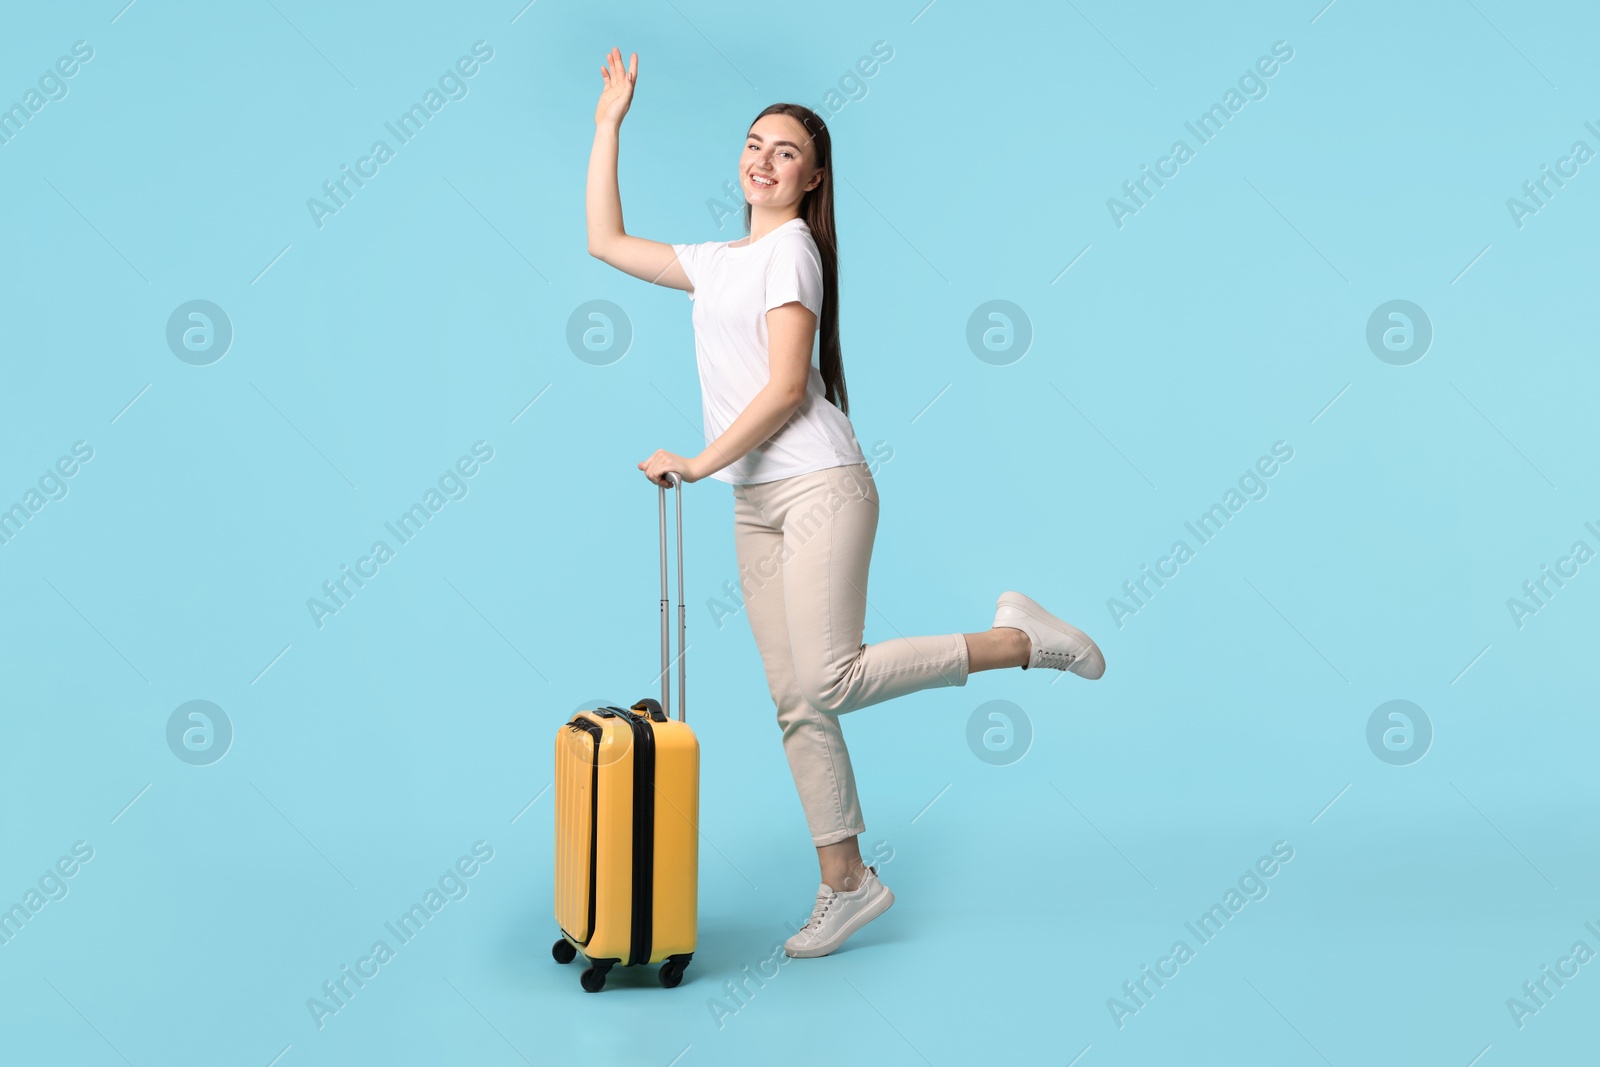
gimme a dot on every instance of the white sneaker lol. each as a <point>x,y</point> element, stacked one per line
<point>1056,643</point>
<point>838,915</point>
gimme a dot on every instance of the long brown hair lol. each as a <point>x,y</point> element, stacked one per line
<point>816,208</point>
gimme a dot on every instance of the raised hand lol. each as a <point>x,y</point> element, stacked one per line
<point>618,91</point>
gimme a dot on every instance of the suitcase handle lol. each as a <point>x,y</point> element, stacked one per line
<point>666,705</point>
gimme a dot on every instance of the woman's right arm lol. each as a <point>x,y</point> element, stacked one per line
<point>654,261</point>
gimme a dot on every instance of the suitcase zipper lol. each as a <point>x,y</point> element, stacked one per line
<point>594,732</point>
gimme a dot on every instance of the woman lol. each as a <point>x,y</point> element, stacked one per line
<point>805,505</point>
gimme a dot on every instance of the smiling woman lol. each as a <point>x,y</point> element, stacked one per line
<point>777,426</point>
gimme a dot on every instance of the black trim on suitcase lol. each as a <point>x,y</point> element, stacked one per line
<point>594,731</point>
<point>641,935</point>
<point>644,836</point>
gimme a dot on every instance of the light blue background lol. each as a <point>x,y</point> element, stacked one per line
<point>975,165</point>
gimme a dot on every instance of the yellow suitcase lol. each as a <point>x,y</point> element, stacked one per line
<point>627,811</point>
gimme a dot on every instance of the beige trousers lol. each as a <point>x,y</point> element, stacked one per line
<point>803,546</point>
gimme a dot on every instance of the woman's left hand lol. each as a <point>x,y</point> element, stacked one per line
<point>656,467</point>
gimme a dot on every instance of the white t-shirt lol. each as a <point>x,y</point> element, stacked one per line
<point>734,288</point>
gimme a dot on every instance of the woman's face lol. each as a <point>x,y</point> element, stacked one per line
<point>778,164</point>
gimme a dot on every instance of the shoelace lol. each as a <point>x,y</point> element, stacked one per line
<point>819,910</point>
<point>1059,660</point>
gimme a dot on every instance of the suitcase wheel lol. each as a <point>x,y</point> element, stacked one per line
<point>594,978</point>
<point>563,951</point>
<point>672,972</point>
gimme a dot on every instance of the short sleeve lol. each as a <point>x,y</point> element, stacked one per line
<point>795,273</point>
<point>688,258</point>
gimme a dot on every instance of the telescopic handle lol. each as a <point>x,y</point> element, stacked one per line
<point>666,681</point>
